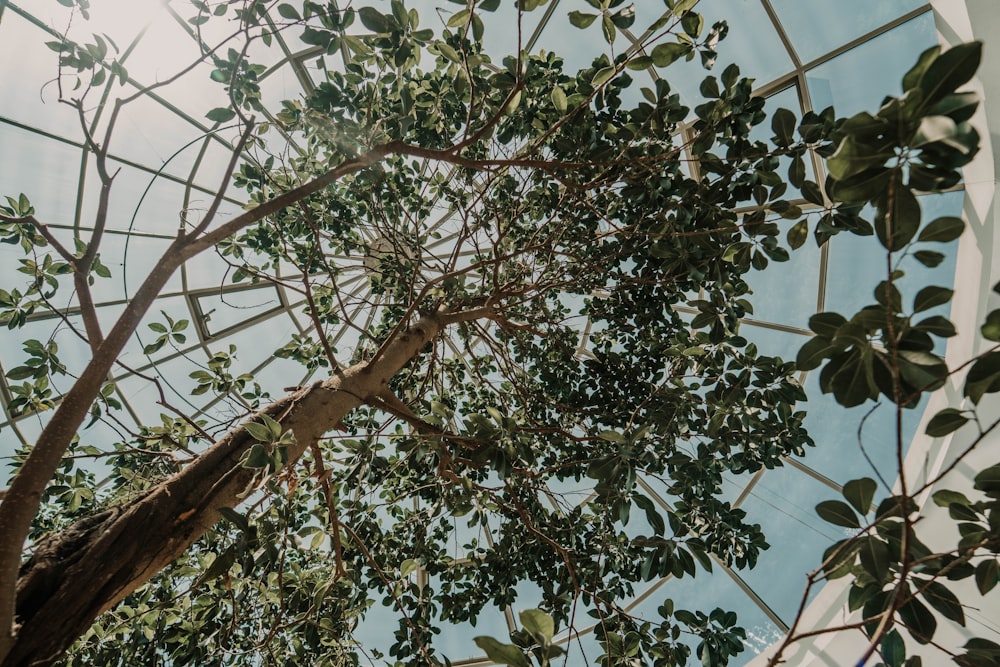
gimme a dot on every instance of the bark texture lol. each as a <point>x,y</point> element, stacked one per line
<point>84,570</point>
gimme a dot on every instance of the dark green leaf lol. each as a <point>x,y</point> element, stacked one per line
<point>898,216</point>
<point>797,234</point>
<point>937,325</point>
<point>504,654</point>
<point>812,354</point>
<point>929,258</point>
<point>950,70</point>
<point>942,230</point>
<point>861,187</point>
<point>913,76</point>
<point>988,481</point>
<point>919,621</point>
<point>893,649</point>
<point>783,126</point>
<point>860,493</point>
<point>931,296</point>
<point>875,558</point>
<point>853,157</point>
<point>827,324</point>
<point>624,18</point>
<point>838,513</point>
<point>377,22</point>
<point>944,601</point>
<point>946,497</point>
<point>946,421</point>
<point>987,575</point>
<point>235,518</point>
<point>693,23</point>
<point>812,193</point>
<point>666,53</point>
<point>220,114</point>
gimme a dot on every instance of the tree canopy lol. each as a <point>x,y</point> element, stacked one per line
<point>545,380</point>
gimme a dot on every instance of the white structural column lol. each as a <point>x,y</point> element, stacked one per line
<point>976,272</point>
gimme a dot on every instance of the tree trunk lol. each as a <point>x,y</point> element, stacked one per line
<point>87,568</point>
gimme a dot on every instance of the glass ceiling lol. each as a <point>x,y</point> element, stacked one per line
<point>804,54</point>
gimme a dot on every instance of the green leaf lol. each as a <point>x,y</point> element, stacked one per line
<point>946,421</point>
<point>861,187</point>
<point>991,328</point>
<point>407,567</point>
<point>273,427</point>
<point>581,19</point>
<point>988,481</point>
<point>875,558</point>
<point>289,12</point>
<point>947,497</point>
<point>893,649</point>
<point>666,53</point>
<point>504,654</point>
<point>219,566</point>
<point>377,22</point>
<point>929,258</point>
<point>838,513</point>
<point>853,157</point>
<point>256,456</point>
<point>950,70</point>
<point>539,624</point>
<point>783,125</point>
<point>258,431</point>
<point>987,575</point>
<point>913,76</point>
<point>459,18</point>
<point>603,76</point>
<point>515,102</point>
<point>693,23</point>
<point>937,325</point>
<point>827,324</point>
<point>942,230</point>
<point>944,601</point>
<point>220,114</point>
<point>798,234</point>
<point>235,518</point>
<point>812,193</point>
<point>931,296</point>
<point>919,621</point>
<point>612,436</point>
<point>559,99</point>
<point>898,216</point>
<point>860,493</point>
<point>22,372</point>
<point>624,17</point>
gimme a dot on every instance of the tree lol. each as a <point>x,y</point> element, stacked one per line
<point>470,396</point>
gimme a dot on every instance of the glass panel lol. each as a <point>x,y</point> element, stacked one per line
<point>837,82</point>
<point>782,503</point>
<point>45,170</point>
<point>820,26</point>
<point>232,307</point>
<point>786,292</point>
<point>835,429</point>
